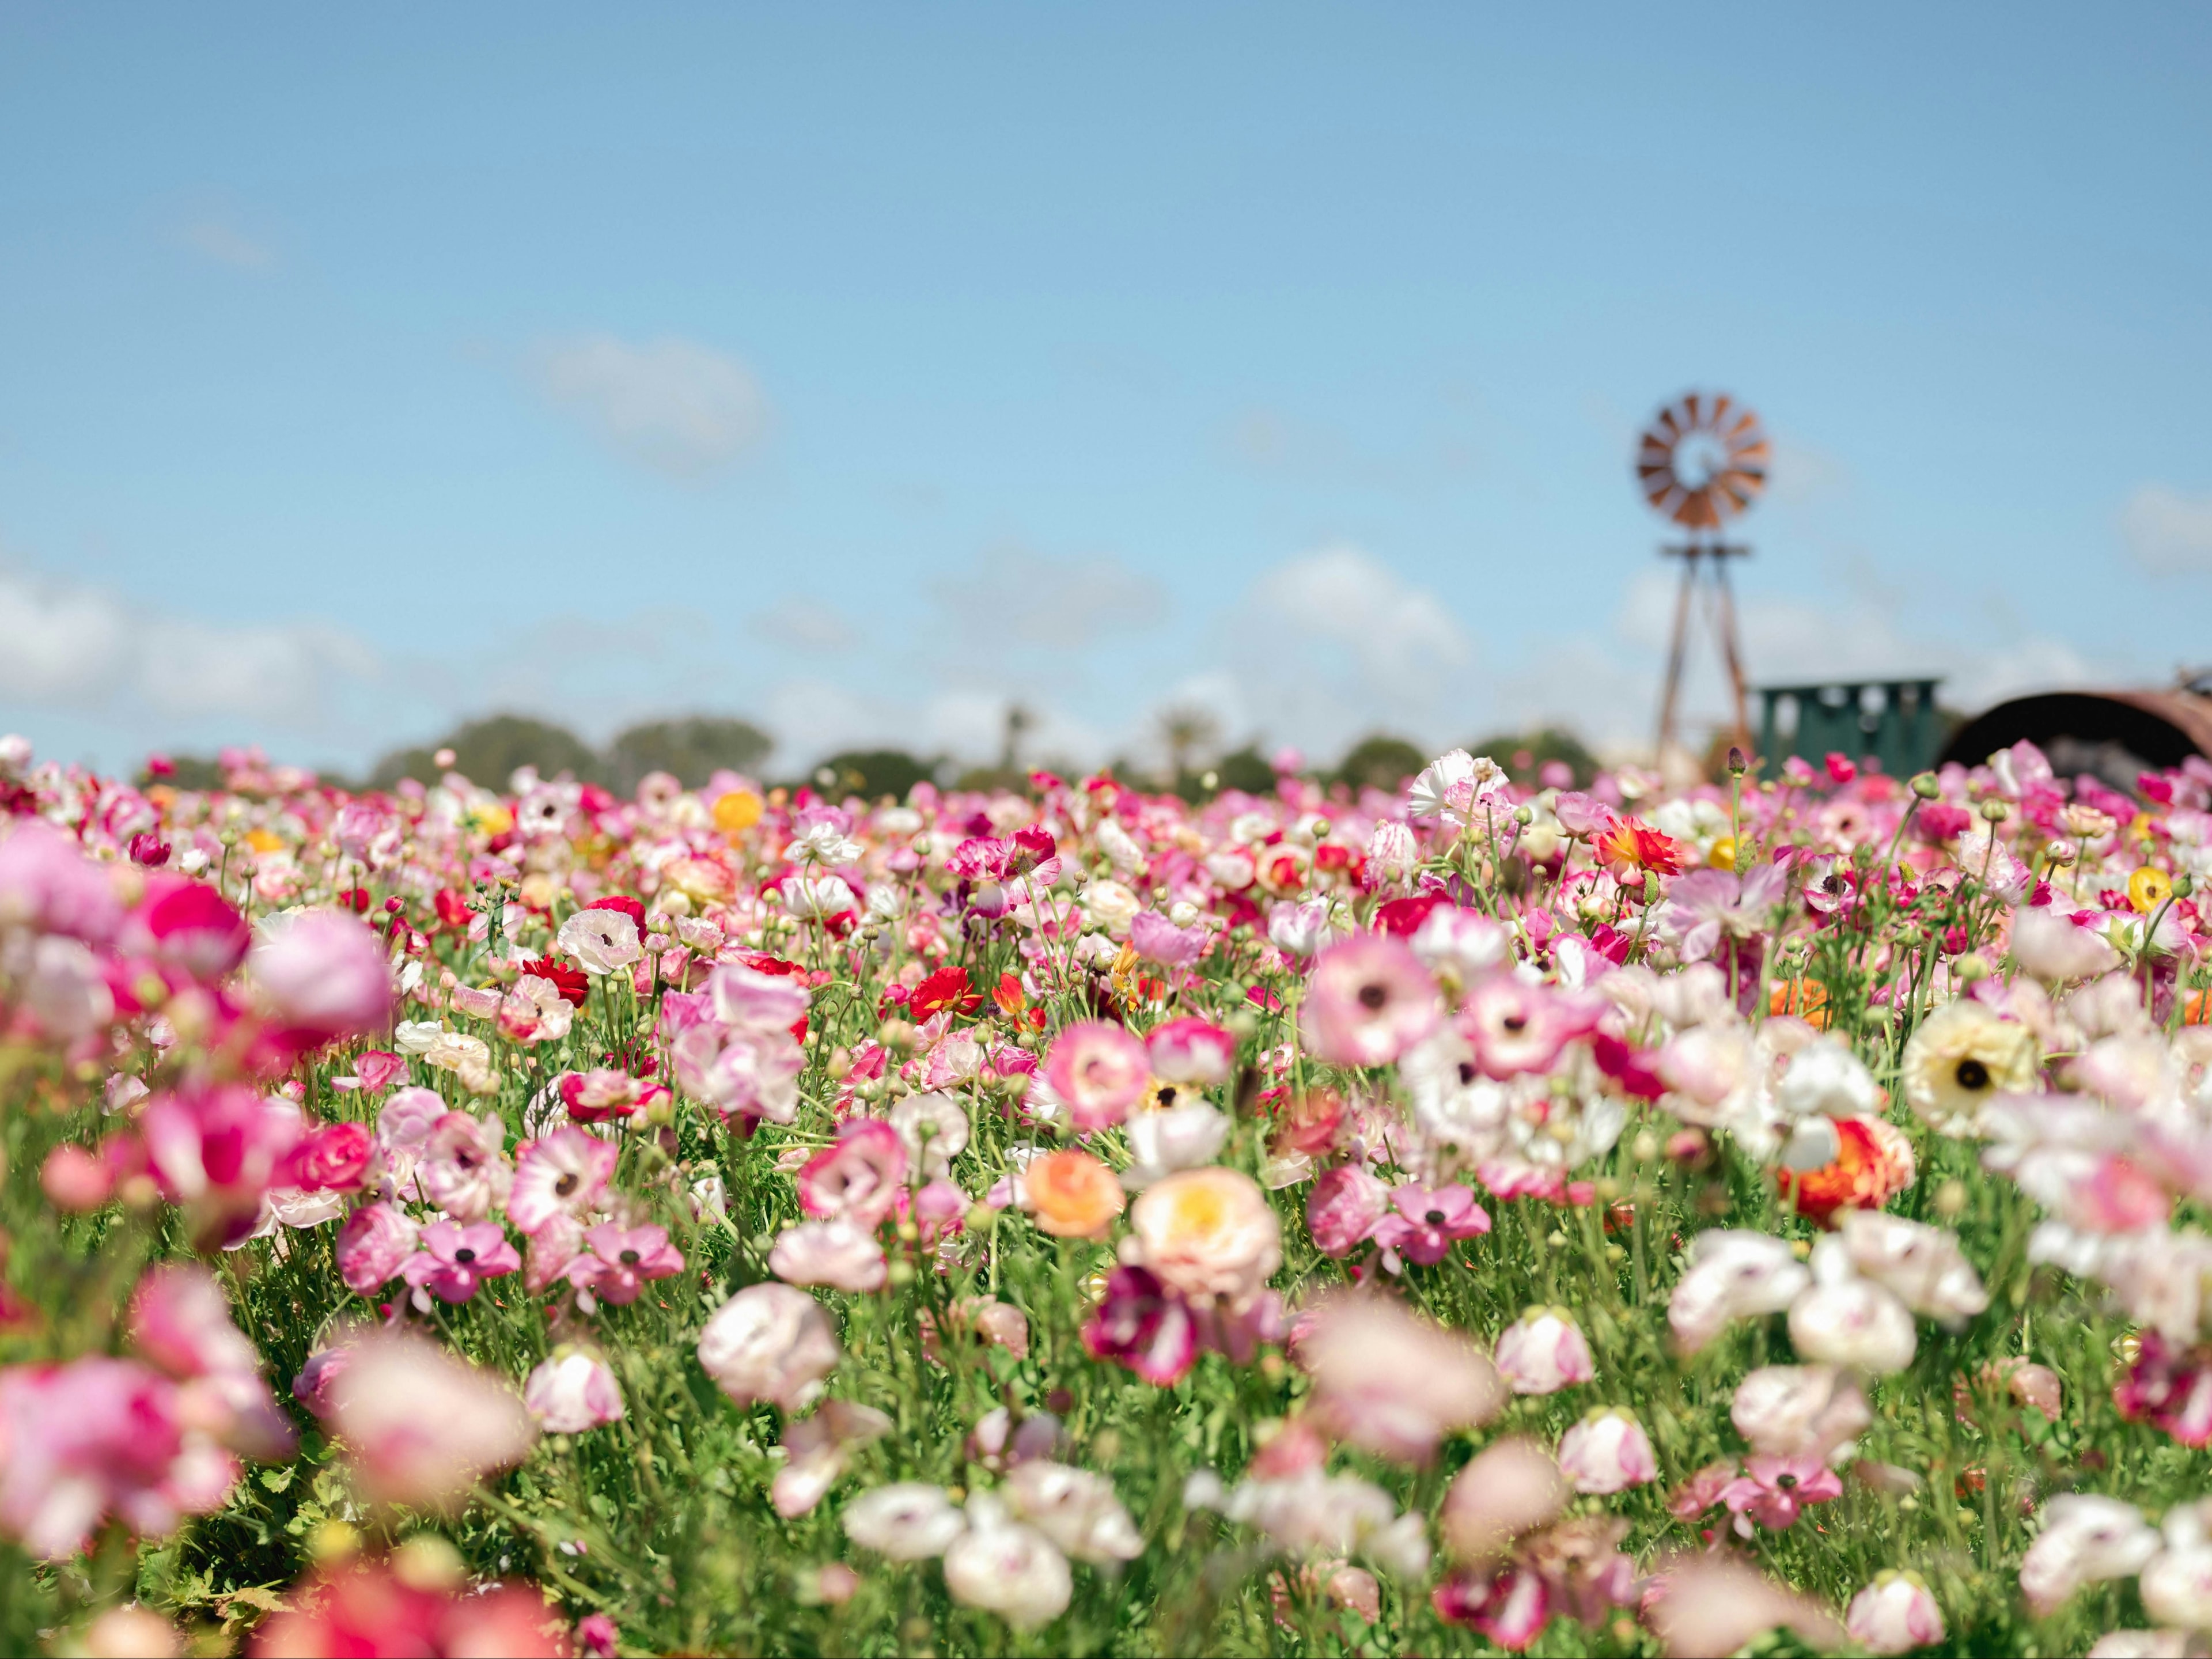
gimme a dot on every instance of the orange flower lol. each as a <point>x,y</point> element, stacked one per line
<point>1873,1164</point>
<point>1807,999</point>
<point>2197,1011</point>
<point>1630,847</point>
<point>1073,1194</point>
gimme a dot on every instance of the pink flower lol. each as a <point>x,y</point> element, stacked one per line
<point>464,1170</point>
<point>1155,938</point>
<point>1191,1050</point>
<point>857,1178</point>
<point>1139,1323</point>
<point>48,883</point>
<point>1516,1027</point>
<point>1895,1613</point>
<point>422,1427</point>
<point>594,1096</point>
<point>1099,1070</point>
<point>455,1259</point>
<point>838,1254</point>
<point>333,1158</point>
<point>564,1173</point>
<point>188,925</point>
<point>573,1392</point>
<point>1343,1207</point>
<point>1428,1221</point>
<point>1607,1452</point>
<point>1773,1490</point>
<point>1543,1352</point>
<point>622,1259</point>
<point>374,1244</point>
<point>746,1000</point>
<point>769,1342</point>
<point>1511,1607</point>
<point>1390,1383</point>
<point>602,941</point>
<point>1369,999</point>
<point>326,974</point>
<point>218,1148</point>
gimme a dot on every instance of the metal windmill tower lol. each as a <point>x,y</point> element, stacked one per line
<point>1701,461</point>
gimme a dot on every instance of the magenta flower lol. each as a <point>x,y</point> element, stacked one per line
<point>1343,1208</point>
<point>188,925</point>
<point>1367,1001</point>
<point>858,1177</point>
<point>622,1259</point>
<point>1139,1323</point>
<point>1773,1490</point>
<point>456,1258</point>
<point>1426,1222</point>
<point>1516,1027</point>
<point>375,1243</point>
<point>1190,1050</point>
<point>1155,938</point>
<point>562,1174</point>
<point>326,973</point>
<point>1099,1070</point>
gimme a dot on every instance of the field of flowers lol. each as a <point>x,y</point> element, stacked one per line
<point>1496,1215</point>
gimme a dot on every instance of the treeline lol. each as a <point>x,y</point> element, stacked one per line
<point>490,751</point>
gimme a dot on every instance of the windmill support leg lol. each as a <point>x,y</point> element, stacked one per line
<point>1724,625</point>
<point>1677,648</point>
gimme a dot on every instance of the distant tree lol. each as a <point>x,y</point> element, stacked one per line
<point>1381,762</point>
<point>872,773</point>
<point>1525,754</point>
<point>1189,734</point>
<point>187,772</point>
<point>487,751</point>
<point>1247,769</point>
<point>693,749</point>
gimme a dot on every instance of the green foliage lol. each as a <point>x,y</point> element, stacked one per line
<point>872,773</point>
<point>487,751</point>
<point>693,749</point>
<point>1525,754</point>
<point>1381,762</point>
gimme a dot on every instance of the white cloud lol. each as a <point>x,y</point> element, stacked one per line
<point>217,239</point>
<point>2169,533</point>
<point>806,624</point>
<point>812,718</point>
<point>1403,637</point>
<point>1016,595</point>
<point>78,647</point>
<point>680,407</point>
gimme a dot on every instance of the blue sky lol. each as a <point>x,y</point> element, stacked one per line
<point>858,369</point>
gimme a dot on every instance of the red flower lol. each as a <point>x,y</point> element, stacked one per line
<point>1873,1164</point>
<point>948,988</point>
<point>630,907</point>
<point>573,984</point>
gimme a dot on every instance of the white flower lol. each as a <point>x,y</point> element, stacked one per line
<point>1109,906</point>
<point>1734,1274</point>
<point>1077,1511</point>
<point>1180,1137</point>
<point>1607,1452</point>
<point>1449,786</point>
<point>1825,1079</point>
<point>1920,1265</point>
<point>602,941</point>
<point>908,1522</point>
<point>1895,1613</point>
<point>1543,1352</point>
<point>769,1342</point>
<point>2085,1539</point>
<point>1844,1319</point>
<point>1795,1411</point>
<point>935,1128</point>
<point>572,1392</point>
<point>1007,1568</point>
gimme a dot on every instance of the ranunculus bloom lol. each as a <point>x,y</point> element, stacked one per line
<point>190,926</point>
<point>933,1126</point>
<point>1209,1233</point>
<point>455,1259</point>
<point>2085,1539</point>
<point>1510,1487</point>
<point>421,1427</point>
<point>1343,1207</point>
<point>1369,999</point>
<point>572,1392</point>
<point>333,1158</point>
<point>1733,1274</point>
<point>1073,1195</point>
<point>1391,1382</point>
<point>602,941</point>
<point>1774,1490</point>
<point>1427,1221</point>
<point>372,1246</point>
<point>1139,1323</point>
<point>816,1448</point>
<point>838,1253</point>
<point>909,1521</point>
<point>464,1170</point>
<point>1895,1613</point>
<point>1921,1265</point>
<point>1543,1352</point>
<point>370,1607</point>
<point>1844,1319</point>
<point>1794,1411</point>
<point>1076,1510</point>
<point>1005,1567</point>
<point>858,1177</point>
<point>1872,1163</point>
<point>218,1149</point>
<point>1607,1452</point>
<point>622,1259</point>
<point>1515,1027</point>
<point>1963,1056</point>
<point>1179,1137</point>
<point>1099,1070</point>
<point>325,972</point>
<point>563,1173</point>
<point>769,1342</point>
<point>1191,1050</point>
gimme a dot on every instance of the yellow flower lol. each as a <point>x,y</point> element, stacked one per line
<point>2148,889</point>
<point>265,840</point>
<point>1722,857</point>
<point>737,811</point>
<point>1961,1056</point>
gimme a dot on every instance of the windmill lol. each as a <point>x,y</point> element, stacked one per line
<point>1701,461</point>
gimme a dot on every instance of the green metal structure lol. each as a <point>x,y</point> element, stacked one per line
<point>1893,722</point>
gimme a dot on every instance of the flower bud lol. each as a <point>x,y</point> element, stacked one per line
<point>1994,810</point>
<point>1607,1452</point>
<point>1925,786</point>
<point>1543,1352</point>
<point>1895,1613</point>
<point>1737,764</point>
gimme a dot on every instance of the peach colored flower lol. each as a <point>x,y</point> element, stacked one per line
<point>1073,1195</point>
<point>1208,1232</point>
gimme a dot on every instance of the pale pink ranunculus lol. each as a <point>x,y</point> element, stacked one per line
<point>325,972</point>
<point>456,1258</point>
<point>1774,1491</point>
<point>1607,1452</point>
<point>622,1259</point>
<point>1006,1567</point>
<point>1895,1613</point>
<point>1191,1050</point>
<point>1793,1411</point>
<point>1511,1487</point>
<point>1368,1000</point>
<point>422,1427</point>
<point>1734,1274</point>
<point>1343,1207</point>
<point>1543,1352</point>
<point>373,1245</point>
<point>573,1392</point>
<point>1210,1233</point>
<point>838,1254</point>
<point>858,1177</point>
<point>1099,1071</point>
<point>2086,1538</point>
<point>48,883</point>
<point>602,941</point>
<point>816,1449</point>
<point>1391,1382</point>
<point>1156,940</point>
<point>769,1342</point>
<point>566,1172</point>
<point>746,1000</point>
<point>465,1171</point>
<point>1516,1027</point>
<point>907,1521</point>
